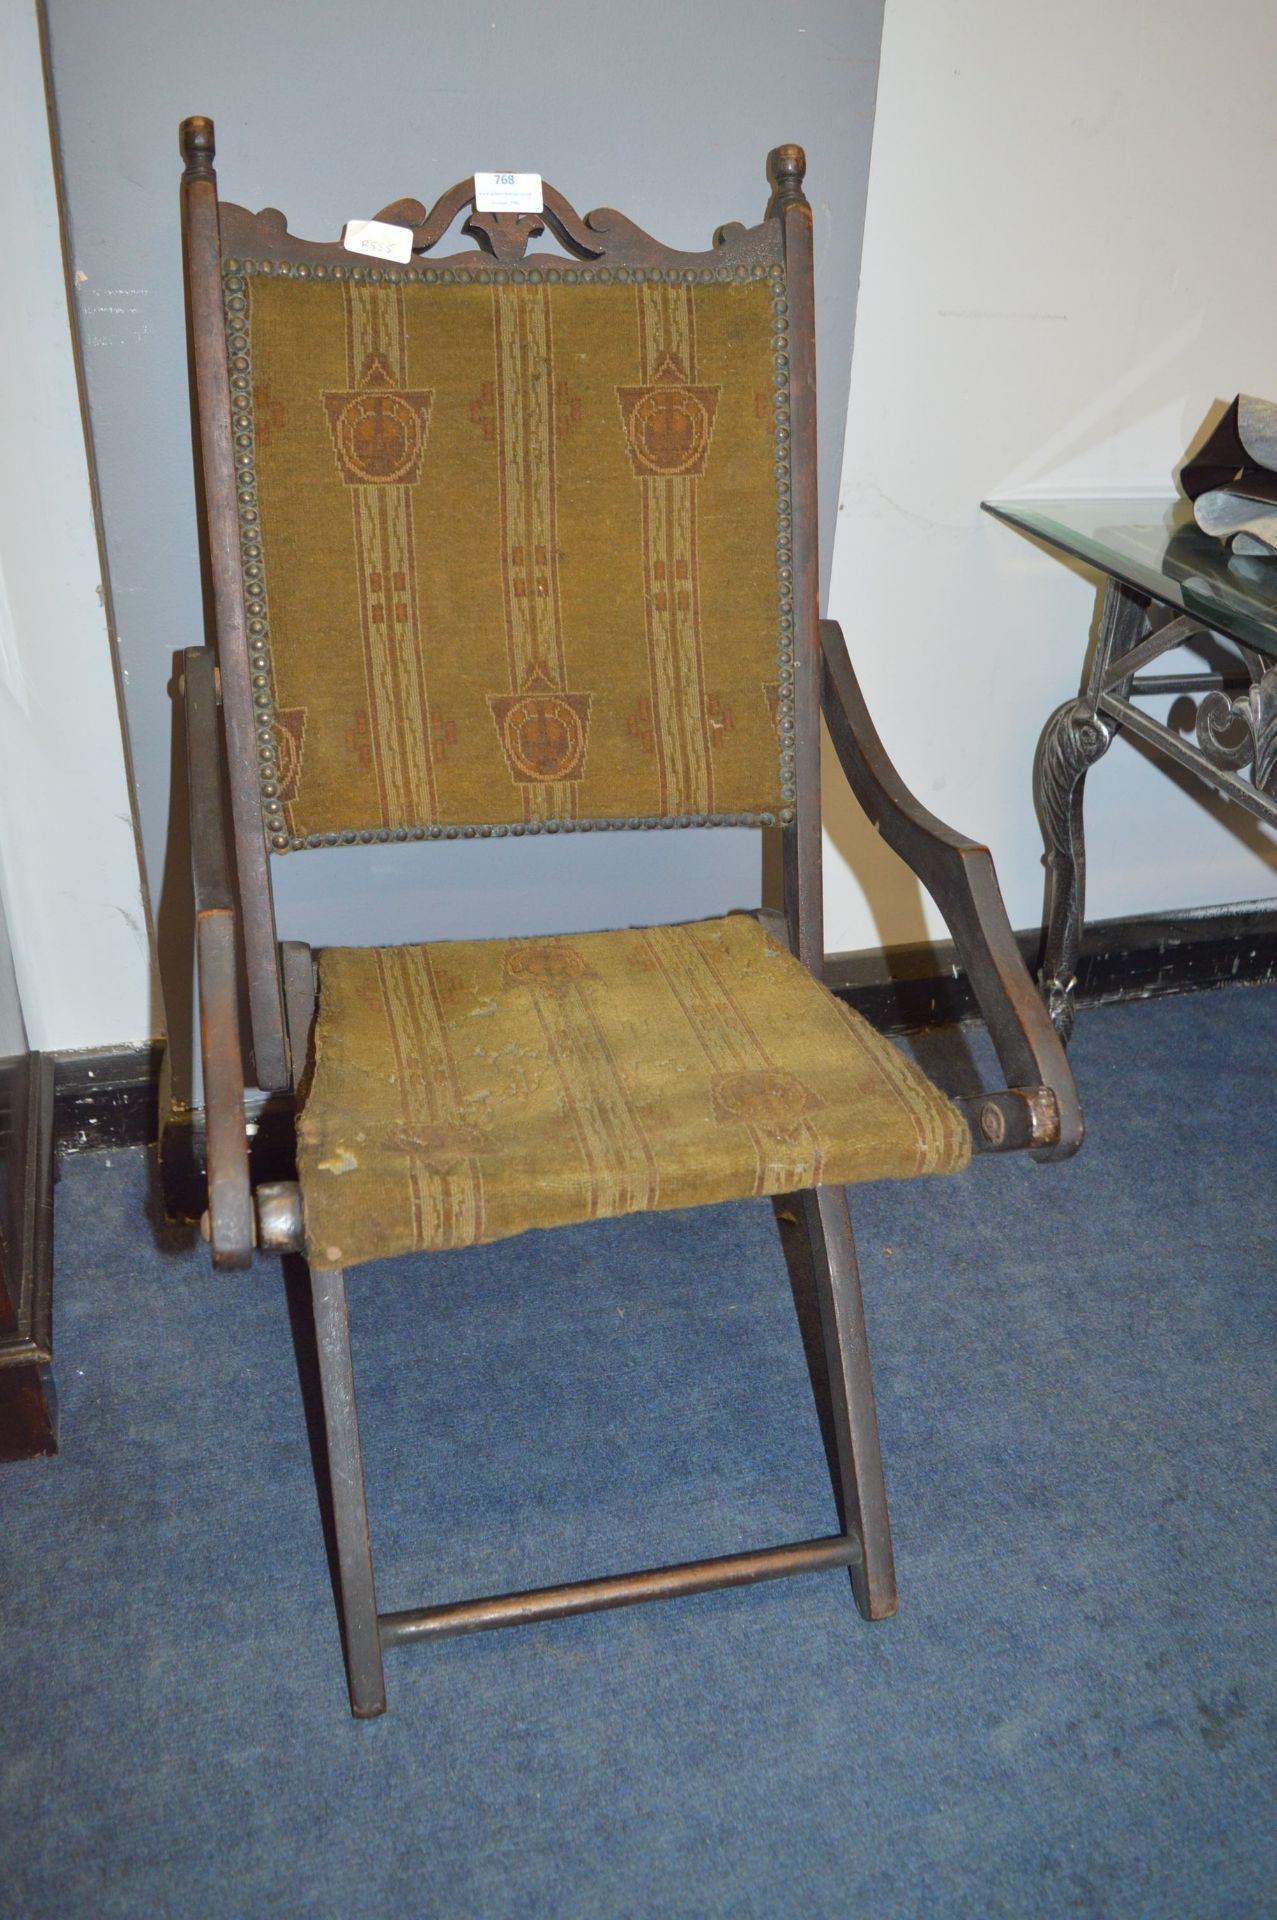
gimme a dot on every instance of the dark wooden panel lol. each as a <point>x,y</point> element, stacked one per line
<point>28,1415</point>
<point>107,1099</point>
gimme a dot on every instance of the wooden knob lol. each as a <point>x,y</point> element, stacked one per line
<point>786,169</point>
<point>195,137</point>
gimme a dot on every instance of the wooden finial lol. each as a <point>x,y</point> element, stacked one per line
<point>786,169</point>
<point>195,137</point>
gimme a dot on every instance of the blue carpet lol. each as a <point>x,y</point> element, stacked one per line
<point>1075,1712</point>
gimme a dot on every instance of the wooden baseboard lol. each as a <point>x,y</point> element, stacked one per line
<point>907,989</point>
<point>107,1099</point>
<point>111,1099</point>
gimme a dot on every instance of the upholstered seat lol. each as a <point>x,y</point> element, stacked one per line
<point>465,1091</point>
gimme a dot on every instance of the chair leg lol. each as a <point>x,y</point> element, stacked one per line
<point>350,1512</point>
<point>842,1319</point>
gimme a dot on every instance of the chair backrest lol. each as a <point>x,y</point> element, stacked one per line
<point>503,543</point>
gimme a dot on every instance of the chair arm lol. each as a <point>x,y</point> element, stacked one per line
<point>230,1216</point>
<point>959,875</point>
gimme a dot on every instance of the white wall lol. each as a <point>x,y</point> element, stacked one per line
<point>68,859</point>
<point>1068,257</point>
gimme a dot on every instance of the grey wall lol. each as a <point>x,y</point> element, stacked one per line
<point>665,109</point>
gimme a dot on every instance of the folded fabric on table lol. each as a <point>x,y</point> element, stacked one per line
<point>1232,482</point>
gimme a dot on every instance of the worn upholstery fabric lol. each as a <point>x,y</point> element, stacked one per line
<point>514,554</point>
<point>465,1091</point>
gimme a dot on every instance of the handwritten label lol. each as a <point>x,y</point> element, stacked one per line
<point>378,238</point>
<point>508,193</point>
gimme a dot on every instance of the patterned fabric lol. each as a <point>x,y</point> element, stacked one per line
<point>516,556</point>
<point>465,1091</point>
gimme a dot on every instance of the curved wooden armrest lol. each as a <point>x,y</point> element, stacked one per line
<point>959,875</point>
<point>230,1194</point>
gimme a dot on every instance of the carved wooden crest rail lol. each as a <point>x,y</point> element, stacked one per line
<point>602,240</point>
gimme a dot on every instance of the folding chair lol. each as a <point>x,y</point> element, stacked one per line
<point>506,544</point>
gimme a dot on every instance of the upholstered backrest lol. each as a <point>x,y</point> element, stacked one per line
<point>515,546</point>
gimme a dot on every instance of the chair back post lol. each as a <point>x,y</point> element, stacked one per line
<point>804,906</point>
<point>200,222</point>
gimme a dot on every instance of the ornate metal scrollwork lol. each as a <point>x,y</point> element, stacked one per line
<point>1074,738</point>
<point>1255,712</point>
<point>1217,717</point>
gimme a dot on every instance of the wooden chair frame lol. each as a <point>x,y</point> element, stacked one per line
<point>1038,1110</point>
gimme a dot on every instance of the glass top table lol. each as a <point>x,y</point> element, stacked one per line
<point>1169,585</point>
<point>1156,547</point>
